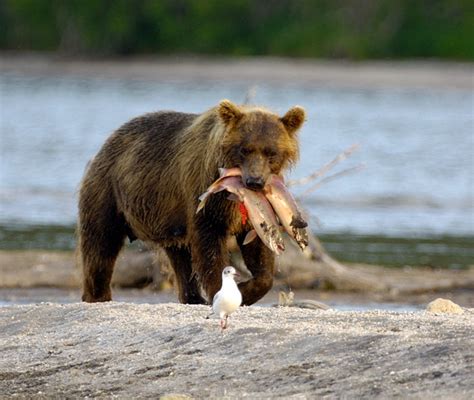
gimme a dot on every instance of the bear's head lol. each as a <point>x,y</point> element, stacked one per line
<point>258,141</point>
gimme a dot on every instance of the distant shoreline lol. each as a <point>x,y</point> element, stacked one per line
<point>314,72</point>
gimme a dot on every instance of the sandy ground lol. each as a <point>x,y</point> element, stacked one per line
<point>422,74</point>
<point>119,350</point>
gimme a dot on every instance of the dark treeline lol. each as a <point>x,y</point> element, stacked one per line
<point>355,29</point>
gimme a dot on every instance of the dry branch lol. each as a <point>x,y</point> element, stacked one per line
<point>323,170</point>
<point>330,178</point>
<point>316,267</point>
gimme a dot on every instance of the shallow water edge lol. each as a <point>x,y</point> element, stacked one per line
<point>449,251</point>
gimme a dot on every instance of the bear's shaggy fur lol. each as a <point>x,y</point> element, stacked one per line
<point>145,182</point>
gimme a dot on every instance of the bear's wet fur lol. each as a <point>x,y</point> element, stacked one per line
<point>145,182</point>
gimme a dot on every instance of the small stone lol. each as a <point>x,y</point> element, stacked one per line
<point>444,306</point>
<point>285,299</point>
<point>175,396</point>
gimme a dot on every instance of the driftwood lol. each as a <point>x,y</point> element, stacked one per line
<point>324,169</point>
<point>33,268</point>
<point>316,268</point>
<point>37,268</point>
<point>137,269</point>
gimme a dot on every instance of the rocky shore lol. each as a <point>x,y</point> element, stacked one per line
<point>120,350</point>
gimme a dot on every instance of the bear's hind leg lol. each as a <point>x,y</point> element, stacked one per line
<point>188,288</point>
<point>101,240</point>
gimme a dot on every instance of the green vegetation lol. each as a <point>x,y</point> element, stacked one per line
<point>454,252</point>
<point>351,29</point>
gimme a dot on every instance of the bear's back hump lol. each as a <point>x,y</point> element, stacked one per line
<point>157,128</point>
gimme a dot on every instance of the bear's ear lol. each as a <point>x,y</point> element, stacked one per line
<point>229,112</point>
<point>293,119</point>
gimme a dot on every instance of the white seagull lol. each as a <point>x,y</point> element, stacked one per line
<point>229,298</point>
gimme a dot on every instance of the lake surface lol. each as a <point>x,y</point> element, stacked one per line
<point>417,146</point>
<point>21,296</point>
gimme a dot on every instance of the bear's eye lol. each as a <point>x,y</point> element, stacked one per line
<point>245,151</point>
<point>270,153</point>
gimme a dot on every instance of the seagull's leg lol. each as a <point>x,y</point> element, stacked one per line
<point>223,323</point>
<point>226,321</point>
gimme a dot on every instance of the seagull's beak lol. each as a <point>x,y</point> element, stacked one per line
<point>237,275</point>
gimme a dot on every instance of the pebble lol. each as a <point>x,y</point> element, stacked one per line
<point>444,306</point>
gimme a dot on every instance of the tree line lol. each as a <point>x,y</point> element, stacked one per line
<point>351,29</point>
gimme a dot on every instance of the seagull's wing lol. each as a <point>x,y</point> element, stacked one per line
<point>216,297</point>
<point>214,302</point>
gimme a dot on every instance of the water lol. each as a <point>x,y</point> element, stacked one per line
<point>417,145</point>
<point>19,296</point>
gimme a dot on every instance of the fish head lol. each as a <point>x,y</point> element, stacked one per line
<point>259,142</point>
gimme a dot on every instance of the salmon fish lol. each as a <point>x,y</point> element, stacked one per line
<point>216,185</point>
<point>287,210</point>
<point>259,210</point>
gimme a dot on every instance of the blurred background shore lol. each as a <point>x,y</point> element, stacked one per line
<point>411,205</point>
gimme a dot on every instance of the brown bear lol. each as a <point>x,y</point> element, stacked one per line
<point>145,182</point>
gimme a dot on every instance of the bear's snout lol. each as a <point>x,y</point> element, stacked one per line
<point>255,183</point>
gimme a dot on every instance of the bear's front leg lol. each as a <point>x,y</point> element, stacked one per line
<point>209,254</point>
<point>260,261</point>
<point>187,284</point>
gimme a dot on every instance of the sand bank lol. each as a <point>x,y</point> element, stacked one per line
<point>120,350</point>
